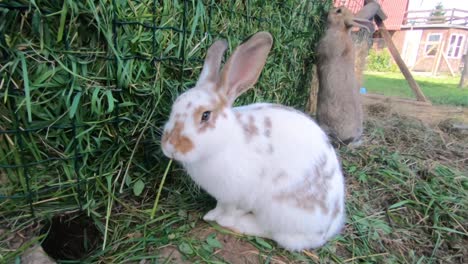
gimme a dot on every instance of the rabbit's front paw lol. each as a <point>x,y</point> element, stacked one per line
<point>246,224</point>
<point>212,215</point>
<point>224,211</point>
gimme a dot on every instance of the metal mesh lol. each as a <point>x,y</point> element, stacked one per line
<point>85,87</point>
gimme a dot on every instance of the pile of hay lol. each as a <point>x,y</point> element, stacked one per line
<point>86,85</point>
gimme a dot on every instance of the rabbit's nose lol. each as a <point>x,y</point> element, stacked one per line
<point>165,137</point>
<point>167,148</point>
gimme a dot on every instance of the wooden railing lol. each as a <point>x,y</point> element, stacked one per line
<point>453,16</point>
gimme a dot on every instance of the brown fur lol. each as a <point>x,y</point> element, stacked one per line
<point>250,128</point>
<point>217,110</point>
<point>303,198</point>
<point>313,193</point>
<point>181,143</point>
<point>339,109</point>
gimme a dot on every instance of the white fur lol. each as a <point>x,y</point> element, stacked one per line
<point>247,175</point>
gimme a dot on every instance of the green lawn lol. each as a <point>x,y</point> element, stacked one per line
<point>439,90</point>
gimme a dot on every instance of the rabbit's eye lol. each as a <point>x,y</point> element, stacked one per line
<point>205,116</point>
<point>338,11</point>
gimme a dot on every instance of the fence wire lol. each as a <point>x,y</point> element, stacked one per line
<point>85,86</point>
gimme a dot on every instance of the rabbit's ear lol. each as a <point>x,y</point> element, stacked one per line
<point>245,65</point>
<point>210,72</point>
<point>364,23</point>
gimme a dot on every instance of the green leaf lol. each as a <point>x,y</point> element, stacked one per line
<point>186,248</point>
<point>95,103</point>
<point>74,106</point>
<point>138,187</point>
<point>63,17</point>
<point>128,180</point>
<point>213,242</point>
<point>352,169</point>
<point>124,104</point>
<point>110,101</point>
<point>26,86</point>
<point>263,243</point>
<point>36,22</point>
<point>41,79</point>
<point>399,204</point>
<point>362,177</point>
<point>207,248</point>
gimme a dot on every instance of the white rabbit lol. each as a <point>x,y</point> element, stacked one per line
<point>271,169</point>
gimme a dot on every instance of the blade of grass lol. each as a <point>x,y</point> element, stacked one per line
<point>156,201</point>
<point>27,91</point>
<point>63,17</point>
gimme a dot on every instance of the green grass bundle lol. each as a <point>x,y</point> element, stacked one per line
<point>86,85</point>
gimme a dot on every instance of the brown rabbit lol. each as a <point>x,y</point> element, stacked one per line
<point>339,109</point>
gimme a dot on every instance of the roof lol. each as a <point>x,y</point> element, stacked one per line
<point>394,9</point>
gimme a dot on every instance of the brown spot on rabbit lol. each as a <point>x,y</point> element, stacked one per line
<point>184,145</point>
<point>189,104</point>
<point>249,127</point>
<point>216,110</point>
<point>181,143</point>
<point>325,169</point>
<point>309,195</point>
<point>304,199</point>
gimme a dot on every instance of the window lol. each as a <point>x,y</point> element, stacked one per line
<point>455,46</point>
<point>432,44</point>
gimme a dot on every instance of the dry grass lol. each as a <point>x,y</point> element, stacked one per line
<point>92,107</point>
<point>407,203</point>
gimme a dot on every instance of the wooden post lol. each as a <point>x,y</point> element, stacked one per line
<point>464,75</point>
<point>399,61</point>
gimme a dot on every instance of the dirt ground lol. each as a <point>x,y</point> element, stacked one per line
<point>236,250</point>
<point>432,115</point>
